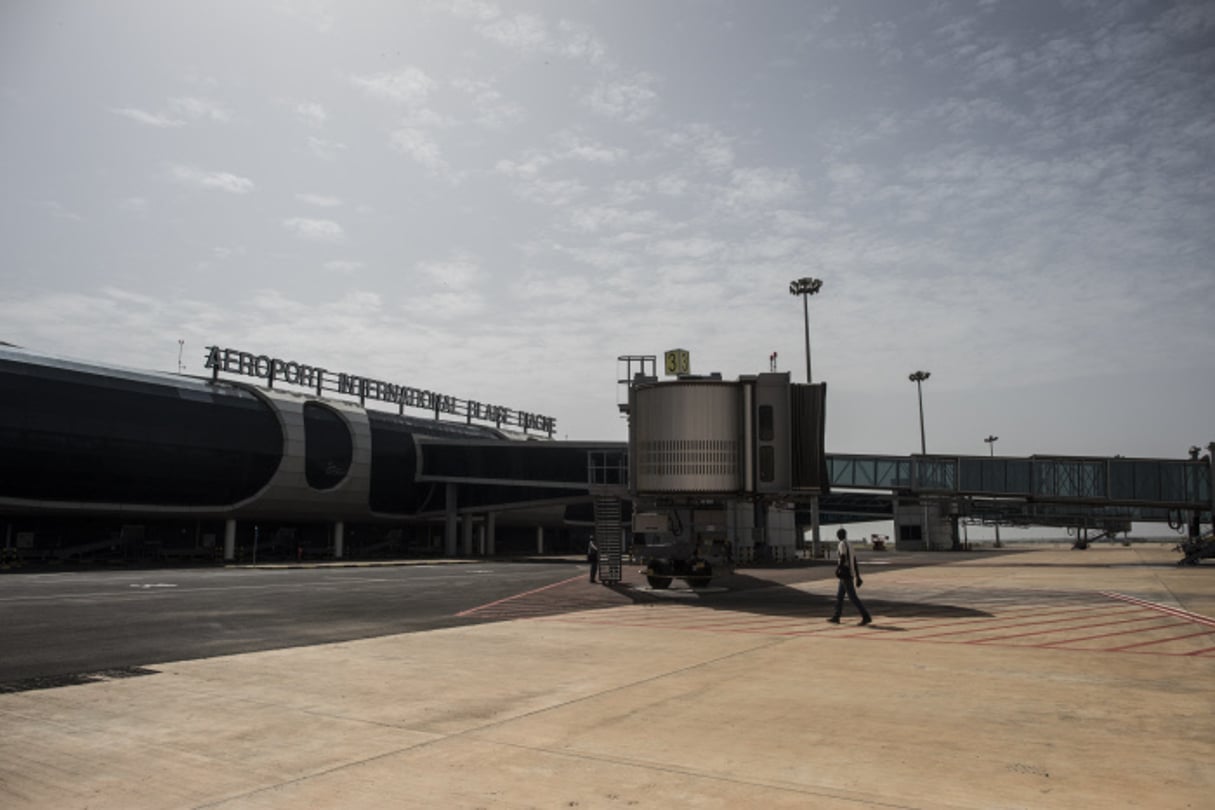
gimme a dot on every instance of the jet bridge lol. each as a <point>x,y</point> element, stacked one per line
<point>1081,493</point>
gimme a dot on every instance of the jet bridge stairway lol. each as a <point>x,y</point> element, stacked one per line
<point>608,533</point>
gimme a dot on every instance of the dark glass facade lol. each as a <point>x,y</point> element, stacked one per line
<point>328,447</point>
<point>394,461</point>
<point>67,435</point>
<point>393,466</point>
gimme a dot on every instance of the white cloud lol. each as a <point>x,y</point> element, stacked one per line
<point>475,10</point>
<point>630,101</point>
<point>601,258</point>
<point>696,247</point>
<point>706,145</point>
<point>568,146</point>
<point>315,230</point>
<point>596,218</point>
<point>491,109</point>
<point>667,185</point>
<point>760,187</point>
<point>528,168</point>
<point>343,266</point>
<point>532,34</point>
<point>451,288</point>
<point>523,32</point>
<point>147,118</point>
<point>224,253</point>
<point>409,85</point>
<point>461,271</point>
<point>199,108</point>
<point>323,149</point>
<point>578,41</point>
<point>573,145</point>
<point>319,200</point>
<point>312,113</point>
<point>59,211</point>
<point>421,147</point>
<point>549,192</point>
<point>133,205</point>
<point>216,181</point>
<point>317,14</point>
<point>179,109</point>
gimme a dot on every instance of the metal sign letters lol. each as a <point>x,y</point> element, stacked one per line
<point>320,380</point>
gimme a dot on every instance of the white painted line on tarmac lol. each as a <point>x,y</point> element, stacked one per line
<point>1168,609</point>
<point>679,593</point>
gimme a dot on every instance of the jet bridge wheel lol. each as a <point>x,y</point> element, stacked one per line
<point>658,583</point>
<point>702,576</point>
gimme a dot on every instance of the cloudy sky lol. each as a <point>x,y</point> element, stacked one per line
<point>495,200</point>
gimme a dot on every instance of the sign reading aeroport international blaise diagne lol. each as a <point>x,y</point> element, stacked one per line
<point>273,369</point>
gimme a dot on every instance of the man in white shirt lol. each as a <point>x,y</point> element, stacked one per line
<point>592,557</point>
<point>847,572</point>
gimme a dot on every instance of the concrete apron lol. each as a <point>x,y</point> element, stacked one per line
<point>665,705</point>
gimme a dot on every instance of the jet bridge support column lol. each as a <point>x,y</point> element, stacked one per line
<point>816,542</point>
<point>451,518</point>
<point>1211,461</point>
<point>466,534</point>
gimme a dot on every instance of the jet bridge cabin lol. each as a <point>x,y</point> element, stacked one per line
<point>703,446</point>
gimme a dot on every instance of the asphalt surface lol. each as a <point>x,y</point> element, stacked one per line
<point>58,626</point>
<point>61,625</point>
<point>67,623</point>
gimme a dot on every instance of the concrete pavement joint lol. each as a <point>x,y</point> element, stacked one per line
<point>473,732</point>
<point>848,796</point>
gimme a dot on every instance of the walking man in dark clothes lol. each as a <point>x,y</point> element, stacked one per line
<point>847,571</point>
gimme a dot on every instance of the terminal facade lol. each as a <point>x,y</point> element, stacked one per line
<point>273,459</point>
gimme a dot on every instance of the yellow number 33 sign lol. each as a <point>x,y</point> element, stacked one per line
<point>678,361</point>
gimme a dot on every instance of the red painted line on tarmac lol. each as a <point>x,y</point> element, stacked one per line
<point>1017,607</point>
<point>1159,641</point>
<point>519,595</point>
<point>769,621</point>
<point>980,627</point>
<point>987,619</point>
<point>1063,629</point>
<point>1105,635</point>
<point>1198,618</point>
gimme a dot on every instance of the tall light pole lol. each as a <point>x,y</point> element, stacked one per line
<point>991,445</point>
<point>806,287</point>
<point>918,378</point>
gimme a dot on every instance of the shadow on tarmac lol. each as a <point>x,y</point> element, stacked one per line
<point>762,596</point>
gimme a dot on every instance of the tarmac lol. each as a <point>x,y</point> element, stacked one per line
<point>1044,679</point>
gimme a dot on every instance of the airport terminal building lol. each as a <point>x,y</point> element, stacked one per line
<point>267,459</point>
<point>287,460</point>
